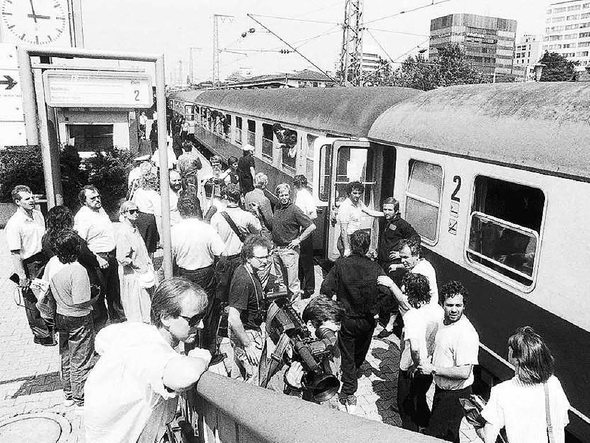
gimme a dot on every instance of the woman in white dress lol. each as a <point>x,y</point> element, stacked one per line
<point>138,278</point>
<point>520,405</point>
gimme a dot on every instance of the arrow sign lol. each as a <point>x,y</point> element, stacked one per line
<point>9,82</point>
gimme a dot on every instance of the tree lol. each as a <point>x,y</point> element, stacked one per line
<point>557,68</point>
<point>449,68</point>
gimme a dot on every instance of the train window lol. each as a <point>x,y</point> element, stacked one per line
<point>252,132</point>
<point>505,226</point>
<point>227,126</point>
<point>423,198</point>
<point>325,174</point>
<point>355,164</point>
<point>267,141</point>
<point>239,130</point>
<point>289,151</point>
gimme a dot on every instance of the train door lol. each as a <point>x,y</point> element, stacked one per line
<point>352,160</point>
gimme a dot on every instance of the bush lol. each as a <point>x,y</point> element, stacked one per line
<point>20,166</point>
<point>108,170</point>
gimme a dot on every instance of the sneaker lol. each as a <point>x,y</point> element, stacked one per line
<point>46,341</point>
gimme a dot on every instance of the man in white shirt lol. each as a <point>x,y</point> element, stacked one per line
<point>24,231</point>
<point>305,201</point>
<point>93,224</point>
<point>455,353</point>
<point>421,323</point>
<point>195,246</point>
<point>234,225</point>
<point>131,394</point>
<point>410,254</point>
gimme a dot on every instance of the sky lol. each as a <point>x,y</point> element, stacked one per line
<point>396,28</point>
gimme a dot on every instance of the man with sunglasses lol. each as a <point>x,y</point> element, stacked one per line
<point>131,393</point>
<point>93,224</point>
<point>246,309</point>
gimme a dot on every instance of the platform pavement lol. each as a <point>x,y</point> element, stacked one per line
<point>29,373</point>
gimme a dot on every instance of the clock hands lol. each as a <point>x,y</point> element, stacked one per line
<point>33,11</point>
<point>34,15</point>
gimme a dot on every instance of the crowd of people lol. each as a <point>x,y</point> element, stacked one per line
<point>234,243</point>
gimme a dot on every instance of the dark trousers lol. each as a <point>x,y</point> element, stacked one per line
<point>411,399</point>
<point>38,326</point>
<point>447,414</point>
<point>391,307</point>
<point>306,271</point>
<point>205,278</point>
<point>112,288</point>
<point>354,340</point>
<point>76,349</point>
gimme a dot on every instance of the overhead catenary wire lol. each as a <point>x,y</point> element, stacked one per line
<point>409,10</point>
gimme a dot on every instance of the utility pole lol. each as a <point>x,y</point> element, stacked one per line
<point>191,64</point>
<point>352,43</point>
<point>216,19</point>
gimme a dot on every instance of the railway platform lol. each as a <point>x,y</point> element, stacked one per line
<point>30,389</point>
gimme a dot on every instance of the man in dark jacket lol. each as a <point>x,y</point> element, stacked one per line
<point>353,280</point>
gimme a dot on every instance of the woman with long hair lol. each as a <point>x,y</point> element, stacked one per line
<point>60,219</point>
<point>520,405</point>
<point>147,199</point>
<point>139,278</point>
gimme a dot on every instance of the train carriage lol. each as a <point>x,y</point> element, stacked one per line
<point>495,178</point>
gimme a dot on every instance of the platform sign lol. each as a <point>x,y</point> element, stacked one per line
<point>97,89</point>
<point>11,99</point>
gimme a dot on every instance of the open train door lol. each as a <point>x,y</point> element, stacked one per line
<point>351,160</point>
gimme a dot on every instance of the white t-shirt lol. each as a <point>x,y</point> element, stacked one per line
<point>420,325</point>
<point>520,409</point>
<point>305,201</point>
<point>456,344</point>
<point>174,214</point>
<point>24,233</point>
<point>96,228</point>
<point>148,201</point>
<point>423,267</point>
<point>195,244</point>
<point>125,399</point>
<point>352,215</point>
<point>246,223</point>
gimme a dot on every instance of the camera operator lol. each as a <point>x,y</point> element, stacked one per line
<point>322,317</point>
<point>246,309</point>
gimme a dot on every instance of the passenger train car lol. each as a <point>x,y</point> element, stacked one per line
<point>495,178</point>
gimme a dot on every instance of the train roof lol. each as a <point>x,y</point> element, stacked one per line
<point>189,95</point>
<point>539,126</point>
<point>342,111</point>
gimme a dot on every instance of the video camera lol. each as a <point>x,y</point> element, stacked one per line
<point>312,353</point>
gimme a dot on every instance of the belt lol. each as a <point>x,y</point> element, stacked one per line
<point>195,270</point>
<point>233,257</point>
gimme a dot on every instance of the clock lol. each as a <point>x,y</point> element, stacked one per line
<point>38,22</point>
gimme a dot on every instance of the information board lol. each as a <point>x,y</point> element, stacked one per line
<point>11,99</point>
<point>96,89</point>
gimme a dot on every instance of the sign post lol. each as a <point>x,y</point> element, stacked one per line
<point>11,99</point>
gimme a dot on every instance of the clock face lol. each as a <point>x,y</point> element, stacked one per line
<point>34,21</point>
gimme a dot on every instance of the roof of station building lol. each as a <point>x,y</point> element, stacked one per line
<point>538,126</point>
<point>342,111</point>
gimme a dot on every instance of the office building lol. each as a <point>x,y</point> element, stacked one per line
<point>488,41</point>
<point>567,30</point>
<point>528,52</point>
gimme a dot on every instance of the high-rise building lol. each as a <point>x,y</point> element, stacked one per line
<point>370,62</point>
<point>528,52</point>
<point>488,41</point>
<point>567,30</point>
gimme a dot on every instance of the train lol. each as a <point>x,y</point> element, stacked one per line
<point>494,177</point>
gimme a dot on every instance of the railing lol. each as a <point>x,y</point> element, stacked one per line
<point>230,411</point>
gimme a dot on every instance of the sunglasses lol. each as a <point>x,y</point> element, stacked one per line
<point>132,211</point>
<point>194,320</point>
